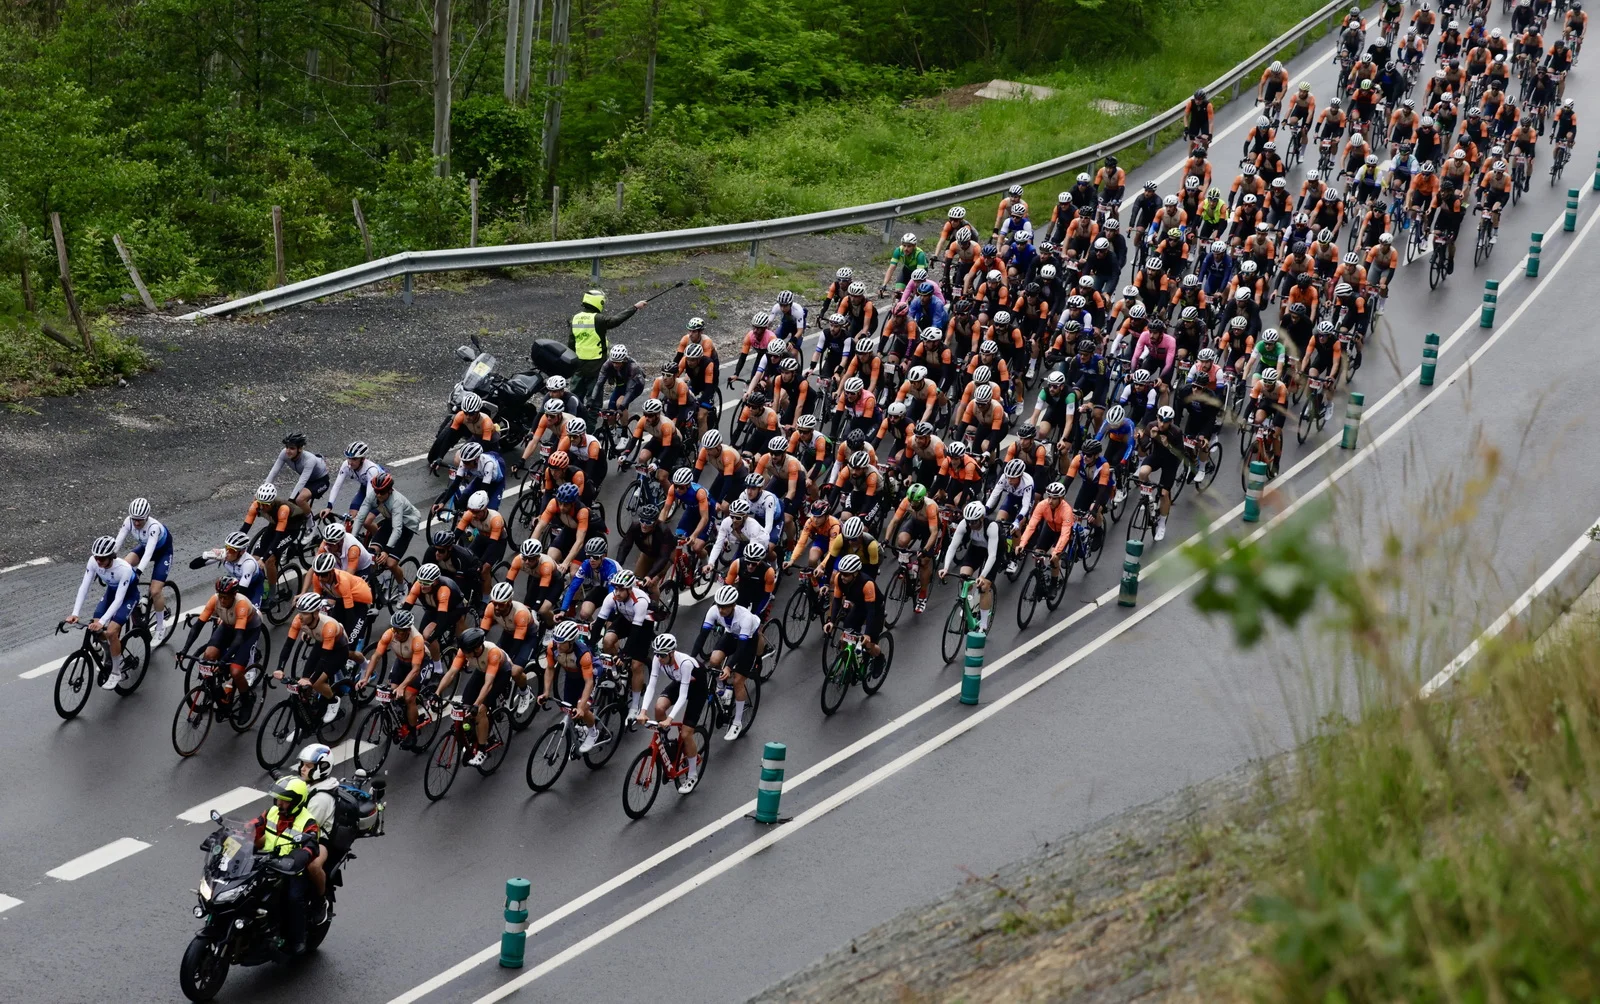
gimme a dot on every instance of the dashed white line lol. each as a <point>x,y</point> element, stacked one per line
<point>30,563</point>
<point>7,902</point>
<point>223,803</point>
<point>37,671</point>
<point>97,859</point>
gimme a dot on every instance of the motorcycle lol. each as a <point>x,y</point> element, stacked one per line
<point>510,401</point>
<point>241,893</point>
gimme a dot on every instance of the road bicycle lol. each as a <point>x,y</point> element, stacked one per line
<point>1043,584</point>
<point>297,717</point>
<point>1194,447</point>
<point>1314,413</point>
<point>687,574</point>
<point>963,618</point>
<point>1519,177</point>
<point>213,699</point>
<point>449,750</point>
<point>559,744</point>
<point>1558,162</point>
<point>1261,449</point>
<point>1146,510</point>
<point>172,602</point>
<point>853,664</point>
<point>717,714</point>
<point>189,656</point>
<point>1483,247</point>
<point>903,586</point>
<point>665,758</point>
<point>385,725</point>
<point>1414,236</point>
<point>806,604</point>
<point>90,665</point>
<point>642,491</point>
<point>1439,260</point>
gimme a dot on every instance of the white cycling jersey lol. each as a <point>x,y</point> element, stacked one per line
<point>119,573</point>
<point>678,668</point>
<point>742,625</point>
<point>749,533</point>
<point>632,605</point>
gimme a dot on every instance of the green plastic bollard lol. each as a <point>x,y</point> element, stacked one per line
<point>1534,250</point>
<point>1596,185</point>
<point>1430,357</point>
<point>1129,594</point>
<point>1570,222</point>
<point>1352,420</point>
<point>1491,297</point>
<point>1255,483</point>
<point>770,791</point>
<point>972,675</point>
<point>515,937</point>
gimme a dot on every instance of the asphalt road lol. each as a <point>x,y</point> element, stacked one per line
<point>897,796</point>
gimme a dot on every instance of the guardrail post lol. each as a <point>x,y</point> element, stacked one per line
<point>555,211</point>
<point>405,290</point>
<point>1129,594</point>
<point>1352,420</point>
<point>1430,358</point>
<point>1150,144</point>
<point>1571,222</point>
<point>1534,251</point>
<point>770,790</point>
<point>755,253</point>
<point>1255,483</point>
<point>1235,91</point>
<point>888,230</point>
<point>515,937</point>
<point>972,674</point>
<point>1491,297</point>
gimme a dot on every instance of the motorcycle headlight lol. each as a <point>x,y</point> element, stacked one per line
<point>229,895</point>
<point>205,889</point>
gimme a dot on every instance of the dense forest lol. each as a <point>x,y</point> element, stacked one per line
<point>177,124</point>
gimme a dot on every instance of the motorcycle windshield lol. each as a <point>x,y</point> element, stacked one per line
<point>478,373</point>
<point>232,853</point>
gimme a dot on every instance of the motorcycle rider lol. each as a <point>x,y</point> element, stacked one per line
<point>316,770</point>
<point>289,829</point>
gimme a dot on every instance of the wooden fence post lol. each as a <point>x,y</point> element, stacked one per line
<point>133,273</point>
<point>361,225</point>
<point>277,245</point>
<point>619,196</point>
<point>472,242</point>
<point>555,211</point>
<point>66,284</point>
<point>27,283</point>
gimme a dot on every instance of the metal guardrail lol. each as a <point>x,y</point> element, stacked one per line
<point>885,213</point>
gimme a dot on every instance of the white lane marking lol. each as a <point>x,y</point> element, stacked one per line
<point>834,801</point>
<point>342,752</point>
<point>7,902</point>
<point>30,563</point>
<point>223,803</point>
<point>38,671</point>
<point>95,860</point>
<point>1515,610</point>
<point>942,699</point>
<point>407,460</point>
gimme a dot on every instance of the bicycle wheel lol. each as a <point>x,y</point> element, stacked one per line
<point>523,515</point>
<point>1119,502</point>
<point>1303,428</point>
<point>248,706</point>
<point>135,662</point>
<point>1516,184</point>
<point>427,728</point>
<point>836,682</point>
<point>895,597</point>
<point>797,617</point>
<point>1091,554</point>
<point>704,579</point>
<point>772,651</point>
<point>1436,269</point>
<point>499,742</point>
<point>549,756</point>
<point>192,722</point>
<point>278,605</point>
<point>642,783</point>
<point>1213,463</point>
<point>610,720</point>
<point>444,760</point>
<point>73,681</point>
<point>275,742</point>
<point>952,642</point>
<point>373,739</point>
<point>667,609</point>
<point>1028,597</point>
<point>878,666</point>
<point>1480,248</point>
<point>1053,597</point>
<point>1138,520</point>
<point>334,732</point>
<point>628,508</point>
<point>752,702</point>
<point>172,603</point>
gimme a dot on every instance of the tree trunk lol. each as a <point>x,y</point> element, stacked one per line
<point>512,83</point>
<point>441,86</point>
<point>560,11</point>
<point>532,11</point>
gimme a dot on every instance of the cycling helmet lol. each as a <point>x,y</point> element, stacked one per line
<point>296,440</point>
<point>560,459</point>
<point>1269,376</point>
<point>622,579</point>
<point>333,532</point>
<point>1113,224</point>
<point>1141,376</point>
<point>1115,414</point>
<point>103,547</point>
<point>711,440</point>
<point>982,375</point>
<point>429,573</point>
<point>477,501</point>
<point>566,631</point>
<point>619,353</point>
<point>727,595</point>
<point>1055,490</point>
<point>502,592</point>
<point>649,513</point>
<point>567,494</point>
<point>1248,267</point>
<point>308,603</point>
<point>555,406</point>
<point>1241,295</point>
<point>237,541</point>
<point>1136,311</point>
<point>653,406</point>
<point>1018,210</point>
<point>1351,258</point>
<point>1170,202</point>
<point>983,394</point>
<point>956,449</point>
<point>556,384</point>
<point>694,351</point>
<point>755,551</point>
<point>739,507</point>
<point>324,563</point>
<point>1092,448</point>
<point>443,537</point>
<point>1076,302</point>
<point>1239,323</point>
<point>1016,469</point>
<point>267,494</point>
<point>777,444</point>
<point>469,453</point>
<point>1165,413</point>
<point>854,385</point>
<point>1002,318</point>
<point>594,547</point>
<point>533,547</point>
<point>1056,378</point>
<point>1190,313</point>
<point>403,618</point>
<point>1207,355</point>
<point>1343,289</point>
<point>850,564</point>
<point>860,459</point>
<point>808,423</point>
<point>973,512</point>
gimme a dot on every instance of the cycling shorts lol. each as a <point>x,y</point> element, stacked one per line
<point>161,565</point>
<point>1166,463</point>
<point>444,621</point>
<point>123,612</point>
<point>1010,502</point>
<point>973,556</point>
<point>1495,200</point>
<point>234,647</point>
<point>497,692</point>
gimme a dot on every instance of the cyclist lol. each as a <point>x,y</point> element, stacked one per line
<point>153,554</point>
<point>623,375</point>
<point>1058,519</point>
<point>278,515</point>
<point>977,539</point>
<point>475,469</point>
<point>111,614</point>
<point>444,606</point>
<point>588,582</point>
<point>329,647</point>
<point>470,422</point>
<point>1322,355</point>
<point>855,606</point>
<point>1164,452</point>
<point>545,581</point>
<point>1269,90</point>
<point>457,562</point>
<point>567,523</point>
<point>233,640</point>
<point>625,614</point>
<point>699,370</point>
<point>655,545</point>
<point>313,472</point>
<point>681,684</point>
<point>488,685</point>
<point>1494,191</point>
<point>1382,261</point>
<point>390,520</point>
<point>919,531</point>
<point>816,536</point>
<point>409,674</point>
<point>1013,494</point>
<point>238,563</point>
<point>736,653</point>
<point>1269,404</point>
<point>695,518</point>
<point>734,531</point>
<point>356,465</point>
<point>488,534</point>
<point>908,256</point>
<point>1566,125</point>
<point>349,594</point>
<point>1099,481</point>
<point>519,635</point>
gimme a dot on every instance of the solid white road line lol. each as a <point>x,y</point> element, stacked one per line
<point>7,902</point>
<point>38,671</point>
<point>30,563</point>
<point>95,860</point>
<point>223,803</point>
<point>1515,610</point>
<point>407,460</point>
<point>943,699</point>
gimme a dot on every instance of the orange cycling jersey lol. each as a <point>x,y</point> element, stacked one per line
<point>256,508</point>
<point>1057,515</point>
<point>485,425</point>
<point>350,589</point>
<point>328,631</point>
<point>545,569</point>
<point>243,612</point>
<point>414,643</point>
<point>517,620</point>
<point>493,522</point>
<point>818,529</point>
<point>930,512</point>
<point>1281,392</point>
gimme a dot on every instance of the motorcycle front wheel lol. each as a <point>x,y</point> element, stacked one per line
<point>203,970</point>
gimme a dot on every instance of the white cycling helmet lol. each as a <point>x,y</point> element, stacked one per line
<point>973,512</point>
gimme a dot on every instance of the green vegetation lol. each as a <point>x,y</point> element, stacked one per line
<point>33,365</point>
